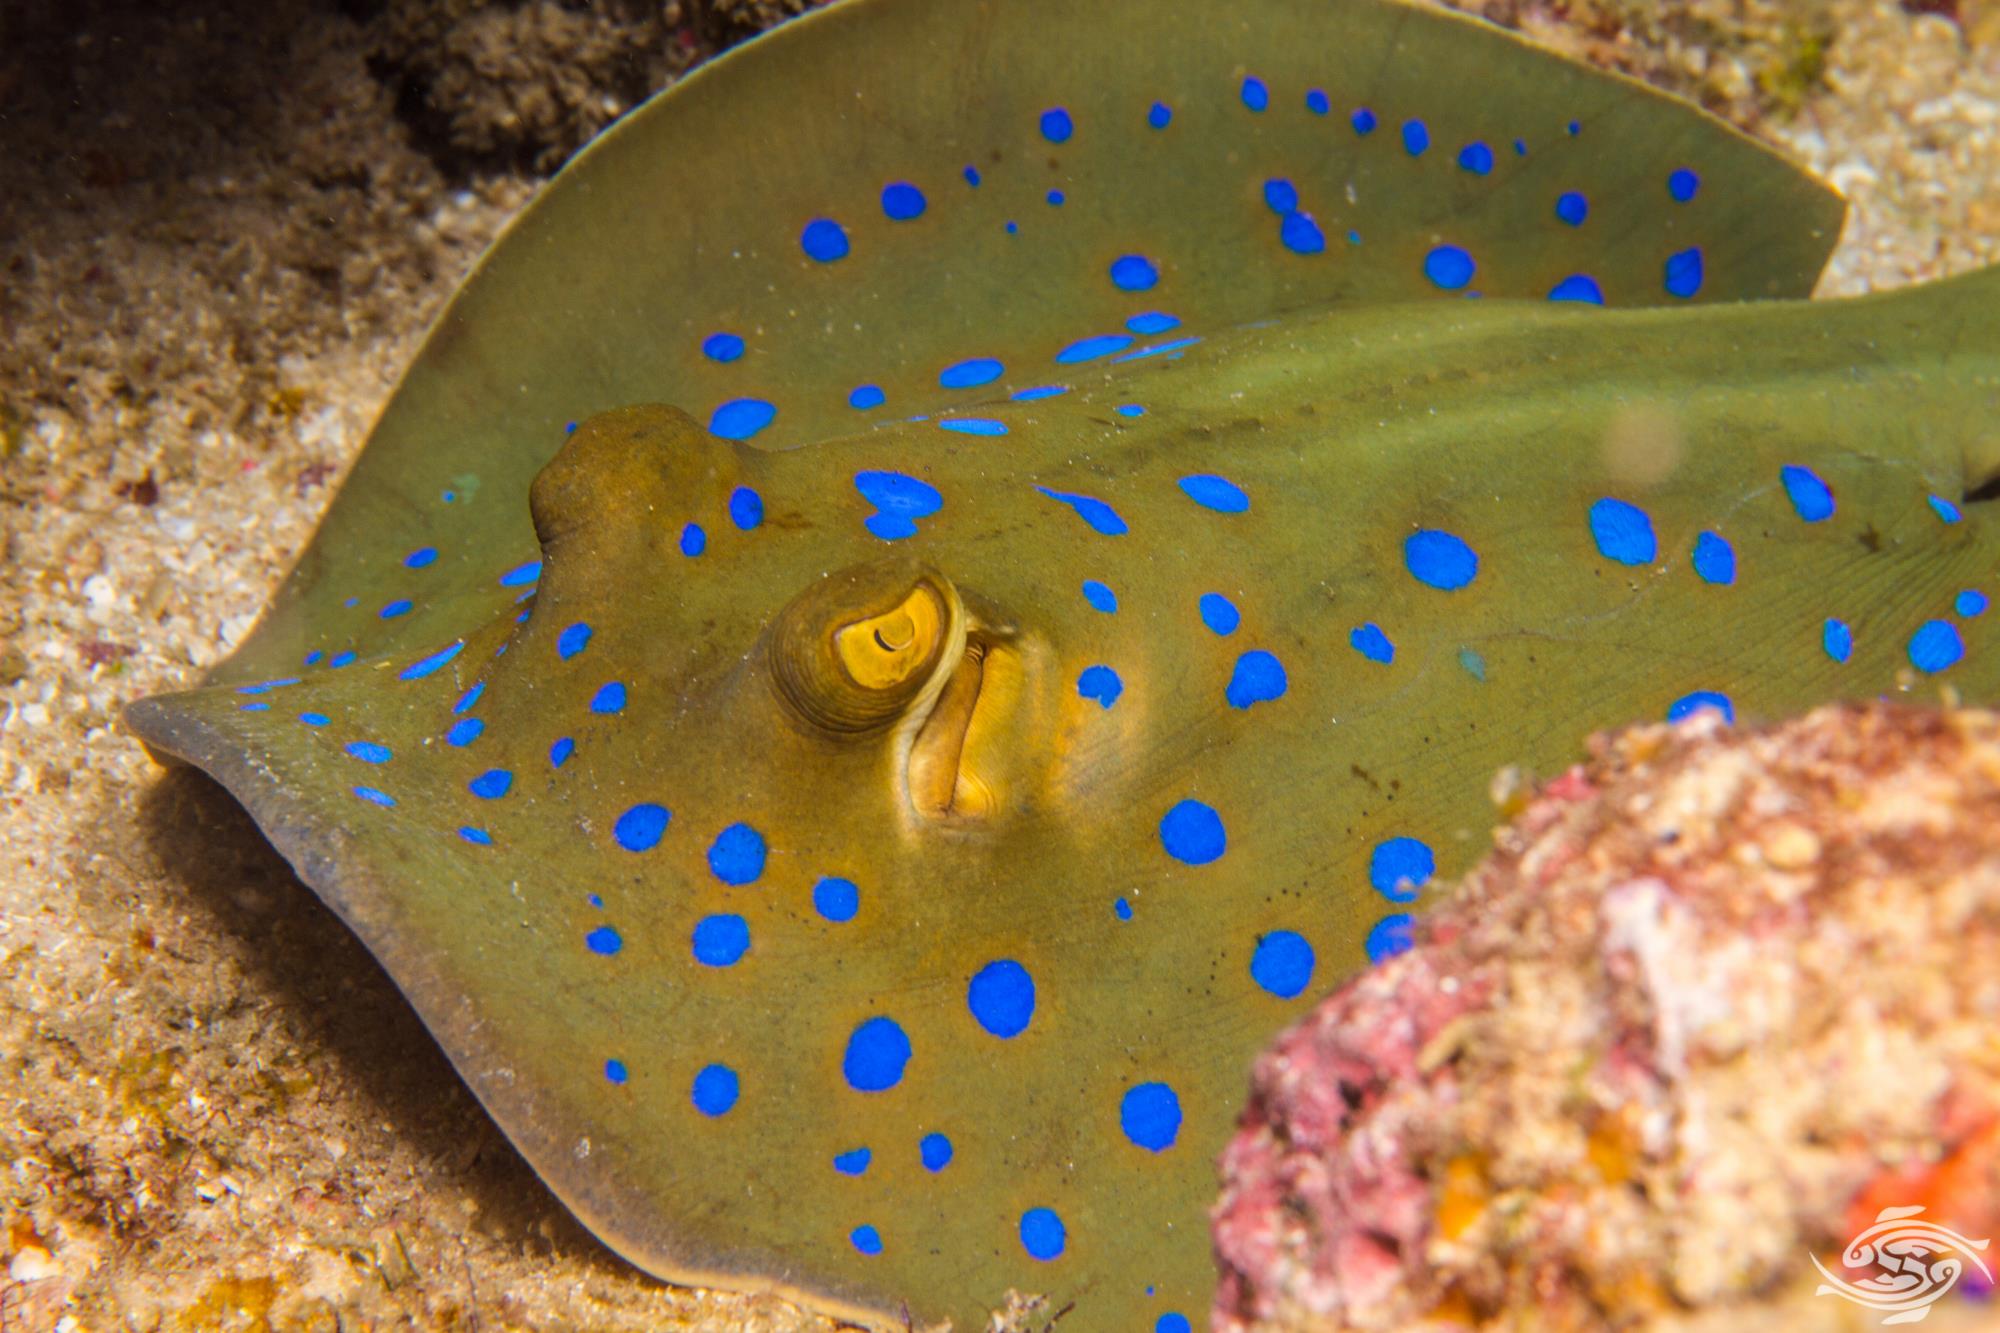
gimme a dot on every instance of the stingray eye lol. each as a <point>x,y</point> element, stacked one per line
<point>855,651</point>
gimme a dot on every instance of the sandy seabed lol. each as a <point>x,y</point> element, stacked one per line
<point>221,236</point>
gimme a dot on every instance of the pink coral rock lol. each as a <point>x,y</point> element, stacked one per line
<point>1717,999</point>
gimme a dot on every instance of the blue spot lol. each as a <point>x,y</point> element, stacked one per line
<point>1099,515</point>
<point>1316,101</point>
<point>1056,125</point>
<point>1393,934</point>
<point>1298,233</point>
<point>1473,664</point>
<point>1217,493</point>
<point>853,1162</point>
<point>1371,643</point>
<point>254,708</point>
<point>935,1152</point>
<point>1578,287</point>
<point>1055,198</point>
<point>1935,646</point>
<point>1280,196</point>
<point>971,374</point>
<point>1255,95</point>
<point>1100,683</point>
<point>746,508</point>
<point>1520,147</point>
<point>1416,137</point>
<point>693,540</point>
<point>902,201</point>
<point>420,557</point>
<point>573,640</point>
<point>266,686</point>
<point>1575,128</point>
<point>1572,208</point>
<point>1449,267</point>
<point>464,731</point>
<point>521,575</point>
<point>900,500</point>
<point>722,347</point>
<point>478,837</point>
<point>972,177</point>
<point>1219,613</point>
<point>1838,640</point>
<point>1192,833</point>
<point>375,796</point>
<point>720,940</point>
<point>1714,559</point>
<point>424,667</point>
<point>1944,509</point>
<point>1682,185</point>
<point>836,899</point>
<point>1100,596</point>
<point>313,657</point>
<point>1129,410</point>
<point>974,426</point>
<point>737,855</point>
<point>314,719</point>
<point>1282,963</point>
<point>560,752</point>
<point>715,1090</point>
<point>1259,678</point>
<point>1439,559</point>
<point>1682,273</point>
<point>1969,603</point>
<point>1151,322</point>
<point>368,752</point>
<point>1134,273</point>
<point>1123,909</point>
<point>339,659</point>
<point>1363,120</point>
<point>610,697</point>
<point>1172,1322</point>
<point>1089,349</point>
<point>1812,497</point>
<point>399,607</point>
<point>1623,532</point>
<point>640,828</point>
<point>823,240</point>
<point>740,418</point>
<point>1160,115</point>
<point>1042,1234</point>
<point>1150,1115</point>
<point>876,1054</point>
<point>615,1071</point>
<point>1038,393</point>
<point>1476,158</point>
<point>866,1239</point>
<point>1399,867</point>
<point>491,785</point>
<point>1690,704</point>
<point>1001,996</point>
<point>604,940</point>
<point>866,396</point>
<point>469,698</point>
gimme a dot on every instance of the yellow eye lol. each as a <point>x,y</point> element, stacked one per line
<point>859,648</point>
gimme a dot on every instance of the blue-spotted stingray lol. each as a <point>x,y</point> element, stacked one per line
<point>954,571</point>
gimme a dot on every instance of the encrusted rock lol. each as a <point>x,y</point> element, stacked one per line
<point>1718,998</point>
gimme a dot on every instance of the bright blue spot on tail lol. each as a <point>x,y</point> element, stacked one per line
<point>1689,704</point>
<point>740,418</point>
<point>1969,603</point>
<point>1123,909</point>
<point>604,940</point>
<point>1280,195</point>
<point>722,347</point>
<point>1042,1234</point>
<point>1160,115</point>
<point>573,640</point>
<point>902,201</point>
<point>746,508</point>
<point>715,1090</point>
<point>720,940</point>
<point>1089,349</point>
<point>1316,101</point>
<point>1218,493</point>
<point>374,796</point>
<point>1099,515</point>
<point>1301,235</point>
<point>852,1163</point>
<point>1416,137</point>
<point>1837,637</point>
<point>1572,208</point>
<point>1363,120</point>
<point>1259,678</point>
<point>935,1152</point>
<point>1100,683</point>
<point>422,556</point>
<point>1810,495</point>
<point>560,752</point>
<point>492,784</point>
<point>1192,833</point>
<point>639,829</point>
<point>973,426</point>
<point>972,177</point>
<point>1134,273</point>
<point>737,855</point>
<point>876,1054</point>
<point>1682,185</point>
<point>1219,613</point>
<point>1476,158</point>
<point>1714,559</point>
<point>1392,935</point>
<point>971,374</point>
<point>1439,559</point>
<point>693,540</point>
<point>1255,95</point>
<point>399,607</point>
<point>1623,532</point>
<point>1449,267</point>
<point>1150,1115</point>
<point>1578,287</point>
<point>1682,274</point>
<point>419,669</point>
<point>615,1071</point>
<point>464,731</point>
<point>900,500</point>
<point>1371,643</point>
<point>610,697</point>
<point>1282,963</point>
<point>368,752</point>
<point>1056,125</point>
<point>1173,1321</point>
<point>866,396</point>
<point>823,240</point>
<point>1151,322</point>
<point>1944,509</point>
<point>1399,867</point>
<point>1935,646</point>
<point>836,899</point>
<point>1001,996</point>
<point>521,575</point>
